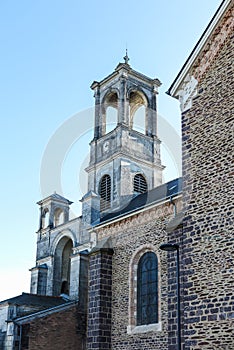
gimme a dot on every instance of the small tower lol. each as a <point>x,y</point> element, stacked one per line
<point>124,160</point>
<point>54,211</point>
<point>51,275</point>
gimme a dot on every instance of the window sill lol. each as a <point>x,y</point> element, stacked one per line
<point>154,327</point>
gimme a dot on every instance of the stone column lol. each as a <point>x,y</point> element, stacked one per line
<point>97,127</point>
<point>74,276</point>
<point>123,115</point>
<point>100,295</point>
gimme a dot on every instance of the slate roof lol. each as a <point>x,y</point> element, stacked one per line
<point>160,193</point>
<point>34,300</point>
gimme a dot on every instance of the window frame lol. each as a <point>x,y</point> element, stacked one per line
<point>133,327</point>
<point>140,184</point>
<point>147,284</point>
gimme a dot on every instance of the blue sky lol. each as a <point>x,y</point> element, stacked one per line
<point>51,51</point>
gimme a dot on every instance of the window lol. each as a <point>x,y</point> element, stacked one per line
<point>139,184</point>
<point>105,192</point>
<point>147,289</point>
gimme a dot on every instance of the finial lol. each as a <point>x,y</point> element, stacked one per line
<point>126,58</point>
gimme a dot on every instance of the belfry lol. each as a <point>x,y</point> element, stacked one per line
<point>125,151</point>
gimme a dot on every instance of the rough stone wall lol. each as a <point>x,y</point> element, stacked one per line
<point>207,131</point>
<point>129,236</point>
<point>60,331</point>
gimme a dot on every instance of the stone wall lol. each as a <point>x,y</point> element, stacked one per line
<point>207,131</point>
<point>142,232</point>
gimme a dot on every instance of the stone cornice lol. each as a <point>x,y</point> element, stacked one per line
<point>156,212</point>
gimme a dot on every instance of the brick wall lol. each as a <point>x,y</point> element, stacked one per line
<point>100,293</point>
<point>207,131</point>
<point>60,330</point>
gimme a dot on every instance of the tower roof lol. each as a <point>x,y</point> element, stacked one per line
<point>55,197</point>
<point>126,68</point>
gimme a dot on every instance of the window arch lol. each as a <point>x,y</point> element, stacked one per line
<point>147,289</point>
<point>139,184</point>
<point>144,291</point>
<point>62,266</point>
<point>45,218</point>
<point>109,112</point>
<point>138,111</point>
<point>105,192</point>
<point>58,217</point>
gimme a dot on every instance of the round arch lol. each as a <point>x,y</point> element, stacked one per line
<point>138,109</point>
<point>66,233</point>
<point>109,110</point>
<point>133,269</point>
<point>62,266</point>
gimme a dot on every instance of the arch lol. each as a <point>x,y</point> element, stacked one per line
<point>45,219</point>
<point>138,110</point>
<point>139,184</point>
<point>58,217</point>
<point>66,233</point>
<point>62,266</point>
<point>104,190</point>
<point>109,109</point>
<point>136,321</point>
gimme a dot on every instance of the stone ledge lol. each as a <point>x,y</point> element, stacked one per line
<point>154,327</point>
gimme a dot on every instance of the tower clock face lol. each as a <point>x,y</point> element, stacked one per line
<point>106,146</point>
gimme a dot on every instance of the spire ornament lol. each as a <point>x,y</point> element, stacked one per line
<point>126,58</point>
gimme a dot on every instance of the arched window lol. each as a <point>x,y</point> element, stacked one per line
<point>109,112</point>
<point>139,184</point>
<point>138,111</point>
<point>45,218</point>
<point>147,289</point>
<point>105,192</point>
<point>62,266</point>
<point>58,217</point>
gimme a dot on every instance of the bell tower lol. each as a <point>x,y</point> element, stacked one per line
<point>124,155</point>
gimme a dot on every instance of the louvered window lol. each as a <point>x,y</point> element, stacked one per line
<point>105,192</point>
<point>147,289</point>
<point>139,184</point>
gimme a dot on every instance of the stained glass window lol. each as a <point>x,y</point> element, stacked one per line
<point>147,289</point>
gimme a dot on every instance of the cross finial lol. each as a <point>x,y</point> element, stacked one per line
<point>126,58</point>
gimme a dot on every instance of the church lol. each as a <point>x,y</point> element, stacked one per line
<point>148,264</point>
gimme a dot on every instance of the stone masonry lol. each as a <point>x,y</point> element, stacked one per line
<point>208,172</point>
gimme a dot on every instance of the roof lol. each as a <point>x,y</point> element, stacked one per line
<point>133,72</point>
<point>34,300</point>
<point>160,193</point>
<point>202,42</point>
<point>55,197</point>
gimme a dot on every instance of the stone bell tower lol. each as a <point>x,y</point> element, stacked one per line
<point>124,159</point>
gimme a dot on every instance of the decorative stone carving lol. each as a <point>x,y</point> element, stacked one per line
<point>187,92</point>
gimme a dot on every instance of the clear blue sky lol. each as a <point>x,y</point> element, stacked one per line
<point>51,51</point>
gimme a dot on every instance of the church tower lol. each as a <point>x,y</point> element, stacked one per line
<point>125,151</point>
